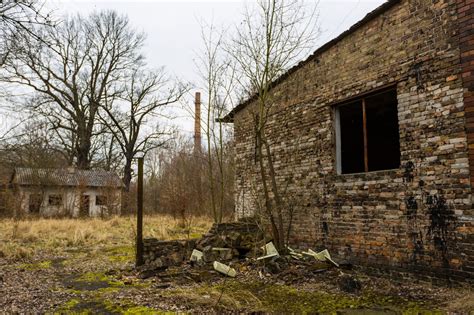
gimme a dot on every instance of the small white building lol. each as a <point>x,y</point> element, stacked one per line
<point>67,192</point>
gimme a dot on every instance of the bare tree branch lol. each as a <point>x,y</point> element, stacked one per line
<point>75,69</point>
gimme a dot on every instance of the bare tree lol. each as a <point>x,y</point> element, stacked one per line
<point>267,43</point>
<point>19,16</point>
<point>74,70</point>
<point>32,146</point>
<point>217,72</point>
<point>126,116</point>
<point>105,151</point>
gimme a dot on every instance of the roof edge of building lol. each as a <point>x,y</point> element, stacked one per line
<point>229,118</point>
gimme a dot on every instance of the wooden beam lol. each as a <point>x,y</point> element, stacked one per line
<point>364,123</point>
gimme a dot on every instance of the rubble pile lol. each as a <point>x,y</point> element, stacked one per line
<point>223,242</point>
<point>236,250</point>
<point>227,241</point>
<point>162,254</point>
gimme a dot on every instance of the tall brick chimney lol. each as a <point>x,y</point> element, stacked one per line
<point>197,122</point>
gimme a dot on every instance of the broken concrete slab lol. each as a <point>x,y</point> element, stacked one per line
<point>321,256</point>
<point>224,269</point>
<point>196,256</point>
<point>270,251</point>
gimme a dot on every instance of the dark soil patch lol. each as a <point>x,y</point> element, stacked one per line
<point>72,282</point>
<point>57,263</point>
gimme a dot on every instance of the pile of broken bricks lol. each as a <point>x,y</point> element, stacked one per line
<point>236,248</point>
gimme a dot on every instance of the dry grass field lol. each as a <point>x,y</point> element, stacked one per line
<point>23,239</point>
<point>86,266</point>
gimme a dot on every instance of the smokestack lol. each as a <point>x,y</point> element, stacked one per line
<point>197,122</point>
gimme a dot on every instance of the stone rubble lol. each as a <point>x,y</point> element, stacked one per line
<point>230,249</point>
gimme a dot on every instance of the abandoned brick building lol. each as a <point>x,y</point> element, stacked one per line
<point>374,136</point>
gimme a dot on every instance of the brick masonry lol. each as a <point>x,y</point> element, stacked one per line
<point>417,218</point>
<point>466,46</point>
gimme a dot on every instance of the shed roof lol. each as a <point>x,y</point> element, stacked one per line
<point>66,177</point>
<point>369,17</point>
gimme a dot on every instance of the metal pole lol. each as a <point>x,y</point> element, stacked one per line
<point>139,251</point>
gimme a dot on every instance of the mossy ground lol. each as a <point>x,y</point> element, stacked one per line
<point>91,271</point>
<point>273,298</point>
<point>96,306</point>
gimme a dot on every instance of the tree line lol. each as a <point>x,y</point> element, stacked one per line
<point>88,83</point>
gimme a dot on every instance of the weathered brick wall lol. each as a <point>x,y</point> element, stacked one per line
<point>466,45</point>
<point>384,219</point>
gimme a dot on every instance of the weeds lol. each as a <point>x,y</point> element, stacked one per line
<point>20,239</point>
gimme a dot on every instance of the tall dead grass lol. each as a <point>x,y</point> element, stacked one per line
<point>20,239</point>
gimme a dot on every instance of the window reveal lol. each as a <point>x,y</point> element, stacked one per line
<point>55,200</point>
<point>367,134</point>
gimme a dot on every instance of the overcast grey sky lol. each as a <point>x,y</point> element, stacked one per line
<point>173,29</point>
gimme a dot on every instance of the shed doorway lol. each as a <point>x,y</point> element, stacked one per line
<point>84,206</point>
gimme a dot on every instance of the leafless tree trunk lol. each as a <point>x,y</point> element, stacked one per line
<point>268,42</point>
<point>218,75</point>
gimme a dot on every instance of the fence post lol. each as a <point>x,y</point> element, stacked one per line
<point>139,250</point>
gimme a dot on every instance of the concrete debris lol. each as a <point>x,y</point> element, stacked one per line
<point>270,251</point>
<point>196,256</point>
<point>294,253</point>
<point>224,269</point>
<point>321,256</point>
<point>237,244</point>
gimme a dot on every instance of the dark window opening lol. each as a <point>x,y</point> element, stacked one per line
<point>55,200</point>
<point>352,138</point>
<point>368,134</point>
<point>101,200</point>
<point>35,203</point>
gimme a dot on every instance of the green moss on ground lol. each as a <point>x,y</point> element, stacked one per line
<point>260,297</point>
<point>120,254</point>
<point>98,305</point>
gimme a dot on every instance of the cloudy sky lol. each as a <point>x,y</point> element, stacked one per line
<point>173,28</point>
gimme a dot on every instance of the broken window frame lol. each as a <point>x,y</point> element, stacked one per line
<point>337,125</point>
<point>55,200</point>
<point>101,200</point>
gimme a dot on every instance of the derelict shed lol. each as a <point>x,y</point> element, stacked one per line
<point>373,137</point>
<point>69,191</point>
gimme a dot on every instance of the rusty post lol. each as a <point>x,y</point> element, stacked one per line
<point>139,243</point>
